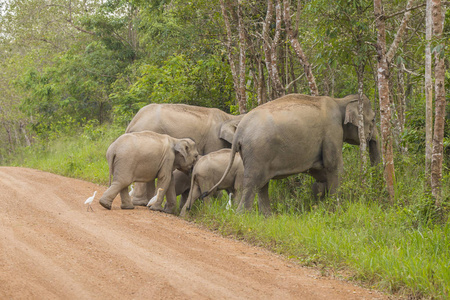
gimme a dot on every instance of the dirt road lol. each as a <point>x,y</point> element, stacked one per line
<point>52,248</point>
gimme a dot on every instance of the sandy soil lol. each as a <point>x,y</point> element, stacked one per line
<point>52,248</point>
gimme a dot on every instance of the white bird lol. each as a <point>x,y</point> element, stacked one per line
<point>131,191</point>
<point>153,200</point>
<point>89,201</point>
<point>229,201</point>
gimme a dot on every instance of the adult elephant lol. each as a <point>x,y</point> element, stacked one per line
<point>210,128</point>
<point>298,134</point>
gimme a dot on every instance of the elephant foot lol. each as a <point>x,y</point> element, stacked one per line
<point>105,204</point>
<point>184,214</point>
<point>127,206</point>
<point>169,210</point>
<point>140,202</point>
<point>156,208</point>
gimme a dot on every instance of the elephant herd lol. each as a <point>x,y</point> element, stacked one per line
<point>290,135</point>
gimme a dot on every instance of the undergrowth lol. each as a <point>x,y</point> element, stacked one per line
<point>402,247</point>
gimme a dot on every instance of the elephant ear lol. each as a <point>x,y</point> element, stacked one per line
<point>351,113</point>
<point>181,147</point>
<point>228,129</point>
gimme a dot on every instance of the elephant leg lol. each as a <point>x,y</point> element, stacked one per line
<point>126,200</point>
<point>194,194</point>
<point>171,198</point>
<point>263,200</point>
<point>108,197</point>
<point>333,165</point>
<point>252,184</point>
<point>140,193</point>
<point>246,202</point>
<point>183,198</point>
<point>163,183</point>
<point>151,190</point>
<point>319,188</point>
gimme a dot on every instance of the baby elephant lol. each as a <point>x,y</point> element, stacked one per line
<point>143,157</point>
<point>209,170</point>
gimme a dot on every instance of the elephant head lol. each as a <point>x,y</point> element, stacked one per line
<point>350,127</point>
<point>186,154</point>
<point>228,128</point>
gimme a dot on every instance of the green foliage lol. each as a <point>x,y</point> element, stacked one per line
<point>177,80</point>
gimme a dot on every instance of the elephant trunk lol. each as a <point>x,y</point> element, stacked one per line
<point>374,148</point>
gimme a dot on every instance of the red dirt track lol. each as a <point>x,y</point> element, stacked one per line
<point>52,248</point>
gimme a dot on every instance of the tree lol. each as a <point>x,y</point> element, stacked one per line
<point>385,104</point>
<point>298,49</point>
<point>440,102</point>
<point>238,74</point>
<point>428,95</point>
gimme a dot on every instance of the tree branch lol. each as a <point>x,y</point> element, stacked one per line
<point>400,32</point>
<point>406,10</point>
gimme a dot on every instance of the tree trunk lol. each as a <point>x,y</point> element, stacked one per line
<point>228,43</point>
<point>428,96</point>
<point>385,105</point>
<point>440,102</point>
<point>298,50</point>
<point>362,139</point>
<point>401,108</point>
<point>242,46</point>
<point>270,49</point>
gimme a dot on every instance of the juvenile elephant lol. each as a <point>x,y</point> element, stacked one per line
<point>298,134</point>
<point>211,129</point>
<point>143,157</point>
<point>208,170</point>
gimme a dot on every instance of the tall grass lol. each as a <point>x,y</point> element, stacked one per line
<point>401,248</point>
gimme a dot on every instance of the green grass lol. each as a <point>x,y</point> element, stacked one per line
<point>401,248</point>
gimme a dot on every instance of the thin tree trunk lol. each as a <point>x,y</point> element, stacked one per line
<point>270,50</point>
<point>400,32</point>
<point>242,46</point>
<point>385,105</point>
<point>228,42</point>
<point>362,139</point>
<point>401,104</point>
<point>298,50</point>
<point>261,84</point>
<point>440,102</point>
<point>428,96</point>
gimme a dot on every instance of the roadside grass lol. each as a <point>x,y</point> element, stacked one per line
<point>402,248</point>
<point>81,155</point>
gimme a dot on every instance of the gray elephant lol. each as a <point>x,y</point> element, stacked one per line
<point>298,134</point>
<point>143,157</point>
<point>211,129</point>
<point>209,169</point>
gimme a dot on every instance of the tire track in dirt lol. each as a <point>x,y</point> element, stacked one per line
<point>53,249</point>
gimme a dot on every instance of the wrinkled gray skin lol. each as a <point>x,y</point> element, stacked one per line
<point>208,170</point>
<point>299,134</point>
<point>143,157</point>
<point>182,186</point>
<point>210,128</point>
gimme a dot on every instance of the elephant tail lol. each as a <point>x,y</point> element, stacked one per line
<point>234,148</point>
<point>111,158</point>
<point>189,200</point>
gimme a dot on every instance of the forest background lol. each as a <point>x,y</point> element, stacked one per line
<point>74,73</point>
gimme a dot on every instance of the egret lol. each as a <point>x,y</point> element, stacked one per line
<point>153,200</point>
<point>89,201</point>
<point>229,201</point>
<point>131,191</point>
